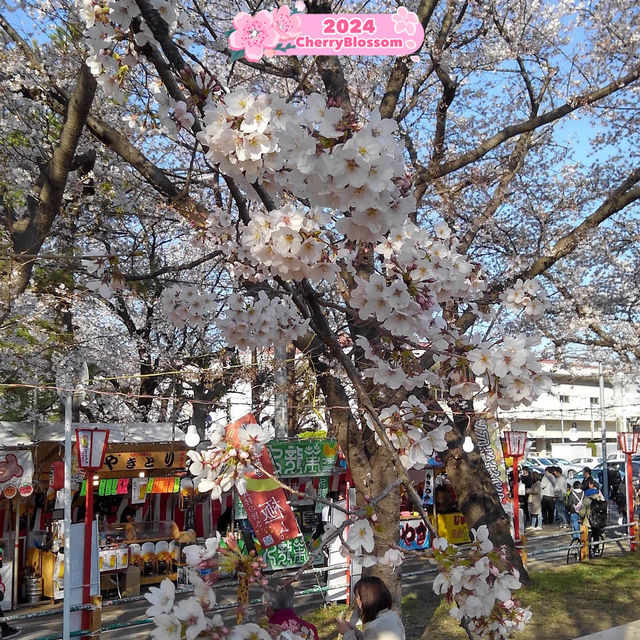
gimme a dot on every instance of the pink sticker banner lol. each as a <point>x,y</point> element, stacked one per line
<point>282,32</point>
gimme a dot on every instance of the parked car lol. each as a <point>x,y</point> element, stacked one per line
<point>568,469</point>
<point>533,464</point>
<point>586,461</point>
<point>596,471</point>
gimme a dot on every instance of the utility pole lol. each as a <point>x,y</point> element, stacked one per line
<point>603,433</point>
<point>66,577</point>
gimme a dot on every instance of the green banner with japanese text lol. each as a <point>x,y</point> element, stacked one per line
<point>302,458</point>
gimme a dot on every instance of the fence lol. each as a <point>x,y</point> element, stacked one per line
<point>583,548</point>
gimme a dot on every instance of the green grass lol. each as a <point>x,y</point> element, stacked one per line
<point>567,602</point>
<point>324,619</point>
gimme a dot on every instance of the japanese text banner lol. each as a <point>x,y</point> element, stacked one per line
<point>265,502</point>
<point>488,439</point>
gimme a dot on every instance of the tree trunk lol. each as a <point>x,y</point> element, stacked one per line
<point>292,400</point>
<point>479,501</point>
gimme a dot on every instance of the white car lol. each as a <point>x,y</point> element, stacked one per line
<point>568,469</point>
<point>590,462</point>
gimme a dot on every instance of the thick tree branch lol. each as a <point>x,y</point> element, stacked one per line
<point>511,131</point>
<point>330,67</point>
<point>136,277</point>
<point>401,68</point>
<point>28,234</point>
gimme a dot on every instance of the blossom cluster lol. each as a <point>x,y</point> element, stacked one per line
<point>479,584</point>
<point>431,263</point>
<point>186,305</point>
<point>360,542</point>
<point>101,279</point>
<point>510,371</point>
<point>289,243</point>
<point>261,322</point>
<point>405,428</point>
<point>114,39</point>
<point>184,620</point>
<point>314,152</point>
<point>528,296</point>
<point>224,464</point>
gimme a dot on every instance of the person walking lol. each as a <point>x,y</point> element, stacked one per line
<point>559,497</point>
<point>614,480</point>
<point>547,486</point>
<point>621,505</point>
<point>374,602</point>
<point>535,501</point>
<point>523,483</point>
<point>591,493</point>
<point>574,504</point>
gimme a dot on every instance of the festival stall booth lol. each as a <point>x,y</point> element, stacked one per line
<point>16,492</point>
<point>143,468</point>
<point>439,502</point>
<point>439,499</point>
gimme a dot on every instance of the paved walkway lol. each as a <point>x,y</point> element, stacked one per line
<point>629,631</point>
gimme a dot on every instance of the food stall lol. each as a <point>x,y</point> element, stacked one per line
<point>142,471</point>
<point>141,480</point>
<point>439,502</point>
<point>16,491</point>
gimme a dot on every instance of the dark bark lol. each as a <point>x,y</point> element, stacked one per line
<point>292,396</point>
<point>476,494</point>
<point>44,203</point>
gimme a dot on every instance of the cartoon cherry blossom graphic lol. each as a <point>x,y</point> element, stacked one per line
<point>405,21</point>
<point>253,34</point>
<point>288,25</point>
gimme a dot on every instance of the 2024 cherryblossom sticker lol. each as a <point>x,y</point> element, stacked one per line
<point>287,31</point>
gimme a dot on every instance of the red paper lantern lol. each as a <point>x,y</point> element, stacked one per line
<point>515,443</point>
<point>628,441</point>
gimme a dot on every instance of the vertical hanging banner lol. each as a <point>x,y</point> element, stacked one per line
<point>16,472</point>
<point>265,502</point>
<point>488,439</point>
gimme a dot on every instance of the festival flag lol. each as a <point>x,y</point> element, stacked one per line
<point>265,502</point>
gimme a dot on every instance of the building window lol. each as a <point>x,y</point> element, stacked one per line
<point>564,399</point>
<point>594,400</point>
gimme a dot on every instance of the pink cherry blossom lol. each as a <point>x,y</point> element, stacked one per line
<point>254,34</point>
<point>405,21</point>
<point>288,25</point>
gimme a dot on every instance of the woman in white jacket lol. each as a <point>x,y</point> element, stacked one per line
<point>374,602</point>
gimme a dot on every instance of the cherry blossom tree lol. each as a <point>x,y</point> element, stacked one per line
<point>407,223</point>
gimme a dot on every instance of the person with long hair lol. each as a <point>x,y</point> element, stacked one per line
<point>374,602</point>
